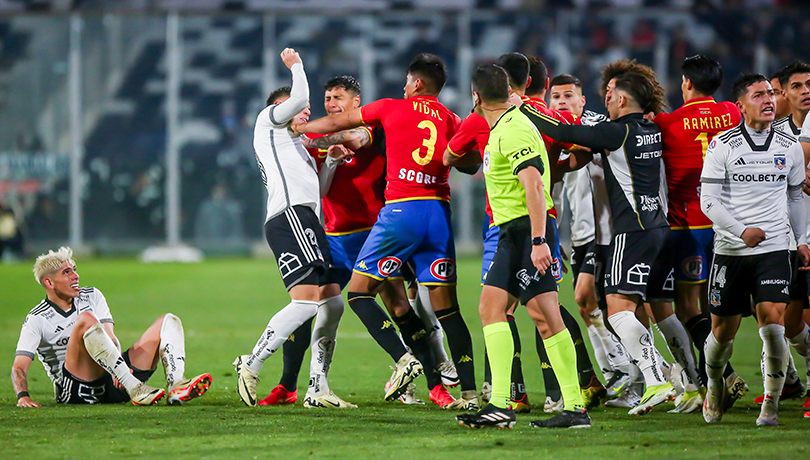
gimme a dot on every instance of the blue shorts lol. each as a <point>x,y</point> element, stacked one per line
<point>692,249</point>
<point>490,246</point>
<point>418,231</point>
<point>344,250</point>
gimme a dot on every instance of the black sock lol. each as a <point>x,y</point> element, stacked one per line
<point>487,369</point>
<point>377,323</point>
<point>460,342</point>
<point>549,379</point>
<point>584,365</point>
<point>294,350</point>
<point>415,336</point>
<point>518,385</point>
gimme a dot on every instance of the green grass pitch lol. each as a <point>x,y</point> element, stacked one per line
<point>225,304</point>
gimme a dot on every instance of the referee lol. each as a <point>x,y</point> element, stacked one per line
<point>516,171</point>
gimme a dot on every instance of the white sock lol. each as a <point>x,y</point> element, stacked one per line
<point>717,356</point>
<point>801,343</point>
<point>323,343</point>
<point>281,325</point>
<point>106,354</point>
<point>679,345</point>
<point>616,354</point>
<point>638,342</point>
<point>424,310</point>
<point>172,349</point>
<point>599,353</point>
<point>791,374</point>
<point>775,351</point>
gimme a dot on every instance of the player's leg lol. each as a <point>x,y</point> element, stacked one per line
<point>520,400</point>
<point>718,349</point>
<point>302,264</point>
<point>625,279</point>
<point>796,331</point>
<point>491,233</point>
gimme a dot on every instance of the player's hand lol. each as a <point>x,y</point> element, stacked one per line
<point>752,236</point>
<point>339,152</point>
<point>541,258</point>
<point>26,401</point>
<point>515,99</point>
<point>565,258</point>
<point>804,257</point>
<point>290,57</point>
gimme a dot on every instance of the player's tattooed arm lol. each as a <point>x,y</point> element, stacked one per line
<point>353,139</point>
<point>19,379</point>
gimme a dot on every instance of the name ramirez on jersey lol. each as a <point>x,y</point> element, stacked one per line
<point>756,170</point>
<point>46,330</point>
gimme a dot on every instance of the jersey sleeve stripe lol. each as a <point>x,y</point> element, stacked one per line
<point>457,155</point>
<point>27,354</point>
<point>106,320</point>
<point>712,180</point>
<point>542,115</point>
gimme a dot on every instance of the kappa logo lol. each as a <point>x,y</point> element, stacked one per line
<point>692,267</point>
<point>638,274</point>
<point>362,264</point>
<point>443,269</point>
<point>288,263</point>
<point>386,324</point>
<point>465,359</point>
<point>388,265</point>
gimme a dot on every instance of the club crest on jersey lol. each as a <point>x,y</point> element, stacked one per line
<point>692,267</point>
<point>443,269</point>
<point>486,162</point>
<point>388,265</point>
<point>779,162</point>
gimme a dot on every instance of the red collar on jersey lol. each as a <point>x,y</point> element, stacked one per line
<point>699,100</point>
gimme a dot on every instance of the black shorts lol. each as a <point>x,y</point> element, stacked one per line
<point>798,281</point>
<point>299,244</point>
<point>629,268</point>
<point>71,390</point>
<point>602,256</point>
<point>583,259</point>
<point>735,280</point>
<point>512,269</point>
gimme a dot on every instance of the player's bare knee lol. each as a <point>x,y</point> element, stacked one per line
<point>84,322</point>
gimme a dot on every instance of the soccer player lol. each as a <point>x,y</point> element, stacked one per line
<point>794,81</point>
<point>566,96</point>
<point>71,331</point>
<point>516,170</point>
<point>633,175</point>
<point>293,231</point>
<point>782,105</point>
<point>530,76</point>
<point>687,133</point>
<point>748,173</point>
<point>414,225</point>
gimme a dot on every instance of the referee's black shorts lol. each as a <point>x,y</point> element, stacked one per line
<point>512,269</point>
<point>299,244</point>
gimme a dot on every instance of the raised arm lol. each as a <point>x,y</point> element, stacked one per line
<point>19,379</point>
<point>282,113</point>
<point>353,139</point>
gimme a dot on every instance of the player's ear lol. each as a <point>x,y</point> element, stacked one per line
<point>739,105</point>
<point>547,83</point>
<point>529,81</point>
<point>47,283</point>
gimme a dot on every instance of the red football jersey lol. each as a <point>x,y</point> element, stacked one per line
<point>472,134</point>
<point>356,195</point>
<point>565,117</point>
<point>417,131</point>
<point>687,133</point>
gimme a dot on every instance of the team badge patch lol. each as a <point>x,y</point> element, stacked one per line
<point>443,269</point>
<point>779,162</point>
<point>714,298</point>
<point>388,265</point>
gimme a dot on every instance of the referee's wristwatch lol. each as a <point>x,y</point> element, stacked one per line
<point>539,241</point>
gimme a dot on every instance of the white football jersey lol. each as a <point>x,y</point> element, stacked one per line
<point>578,191</point>
<point>46,330</point>
<point>288,171</point>
<point>786,125</point>
<point>755,170</point>
<point>603,228</point>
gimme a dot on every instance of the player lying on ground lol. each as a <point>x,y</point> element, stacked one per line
<point>71,331</point>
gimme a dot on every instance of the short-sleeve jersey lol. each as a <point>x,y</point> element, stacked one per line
<point>512,141</point>
<point>47,328</point>
<point>804,136</point>
<point>687,133</point>
<point>472,134</point>
<point>788,125</point>
<point>755,170</point>
<point>356,194</point>
<point>417,131</point>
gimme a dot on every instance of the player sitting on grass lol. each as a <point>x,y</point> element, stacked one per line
<point>72,332</point>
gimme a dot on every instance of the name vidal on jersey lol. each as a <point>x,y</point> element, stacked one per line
<point>424,108</point>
